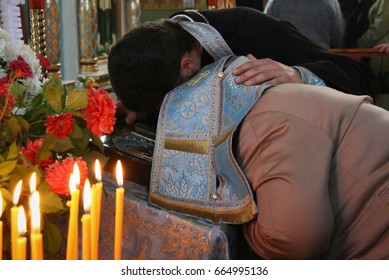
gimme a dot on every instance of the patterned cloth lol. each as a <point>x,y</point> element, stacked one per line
<point>150,233</point>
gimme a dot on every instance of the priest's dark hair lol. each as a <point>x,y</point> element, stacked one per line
<point>145,64</point>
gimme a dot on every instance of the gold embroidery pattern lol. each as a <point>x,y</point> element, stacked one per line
<point>200,76</point>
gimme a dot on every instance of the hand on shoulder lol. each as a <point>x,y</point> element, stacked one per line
<point>384,47</point>
<point>265,71</point>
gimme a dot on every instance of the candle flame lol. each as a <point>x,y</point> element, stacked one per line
<point>87,196</point>
<point>1,204</point>
<point>76,172</point>
<point>119,173</point>
<point>22,228</point>
<point>17,191</point>
<point>72,183</point>
<point>33,182</point>
<point>98,170</point>
<point>35,212</point>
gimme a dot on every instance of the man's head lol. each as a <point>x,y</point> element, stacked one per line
<point>149,61</point>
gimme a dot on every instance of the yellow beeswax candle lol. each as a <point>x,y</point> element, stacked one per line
<point>94,229</point>
<point>1,227</point>
<point>14,218</point>
<point>95,212</point>
<point>119,212</point>
<point>1,240</point>
<point>86,223</point>
<point>119,222</point>
<point>36,241</point>
<point>72,239</point>
<point>21,241</point>
<point>33,182</point>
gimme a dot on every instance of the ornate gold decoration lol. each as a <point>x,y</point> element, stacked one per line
<point>52,22</point>
<point>88,35</point>
<point>37,30</point>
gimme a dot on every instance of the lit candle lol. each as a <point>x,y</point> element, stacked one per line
<point>33,182</point>
<point>119,212</point>
<point>14,218</point>
<point>37,4</point>
<point>95,212</point>
<point>1,227</point>
<point>36,235</point>
<point>72,241</point>
<point>86,223</point>
<point>21,241</point>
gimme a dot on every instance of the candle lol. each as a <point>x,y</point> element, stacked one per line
<point>119,212</point>
<point>86,223</point>
<point>72,240</point>
<point>1,226</point>
<point>37,4</point>
<point>96,193</point>
<point>33,182</point>
<point>14,218</point>
<point>36,235</point>
<point>21,241</point>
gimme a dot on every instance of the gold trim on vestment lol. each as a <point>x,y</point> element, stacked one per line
<point>230,216</point>
<point>192,146</point>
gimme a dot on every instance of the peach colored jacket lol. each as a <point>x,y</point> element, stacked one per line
<point>318,162</point>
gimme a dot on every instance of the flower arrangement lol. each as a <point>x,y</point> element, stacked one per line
<point>45,127</point>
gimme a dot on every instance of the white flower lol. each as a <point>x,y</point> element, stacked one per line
<point>10,50</point>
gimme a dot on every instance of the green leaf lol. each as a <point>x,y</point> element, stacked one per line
<point>83,143</point>
<point>12,152</point>
<point>23,123</point>
<point>37,101</point>
<point>21,172</point>
<point>77,132</point>
<point>45,151</point>
<point>97,141</point>
<point>36,114</point>
<point>52,238</point>
<point>51,203</point>
<point>79,114</point>
<point>77,99</point>
<point>18,89</point>
<point>7,196</point>
<point>7,167</point>
<point>63,144</point>
<point>13,128</point>
<point>4,179</point>
<point>53,93</point>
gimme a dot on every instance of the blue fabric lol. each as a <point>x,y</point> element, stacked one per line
<point>194,170</point>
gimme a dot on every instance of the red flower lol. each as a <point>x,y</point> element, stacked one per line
<point>100,112</point>
<point>43,60</point>
<point>20,68</point>
<point>7,101</point>
<point>61,125</point>
<point>31,150</point>
<point>58,174</point>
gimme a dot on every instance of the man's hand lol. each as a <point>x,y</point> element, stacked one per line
<point>383,48</point>
<point>130,116</point>
<point>265,71</point>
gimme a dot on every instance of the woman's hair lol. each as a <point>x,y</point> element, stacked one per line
<point>145,64</point>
